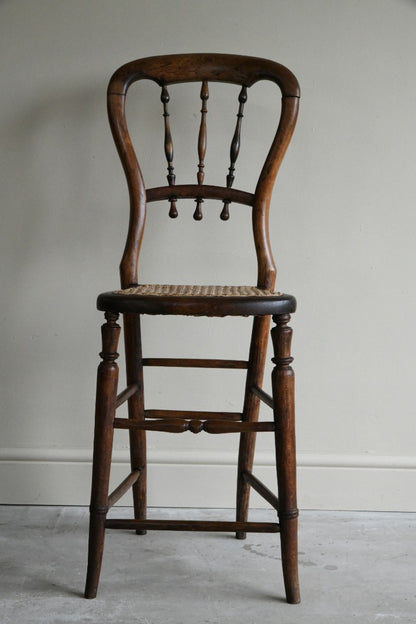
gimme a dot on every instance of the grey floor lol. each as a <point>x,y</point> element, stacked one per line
<point>354,567</point>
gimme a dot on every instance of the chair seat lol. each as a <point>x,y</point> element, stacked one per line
<point>197,300</point>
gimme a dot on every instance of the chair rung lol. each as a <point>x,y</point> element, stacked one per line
<point>126,394</point>
<point>194,363</point>
<point>190,415</point>
<point>263,396</point>
<point>261,489</point>
<point>174,425</point>
<point>218,426</point>
<point>179,425</point>
<point>192,525</point>
<point>123,487</point>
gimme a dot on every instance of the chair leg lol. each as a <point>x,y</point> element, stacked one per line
<point>284,415</point>
<point>257,358</point>
<point>134,369</point>
<point>107,378</point>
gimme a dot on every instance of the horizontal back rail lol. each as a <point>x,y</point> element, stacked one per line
<point>205,191</point>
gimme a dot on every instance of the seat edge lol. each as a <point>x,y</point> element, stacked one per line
<point>197,305</point>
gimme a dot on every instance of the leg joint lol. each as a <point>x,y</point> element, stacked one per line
<point>99,509</point>
<point>288,514</point>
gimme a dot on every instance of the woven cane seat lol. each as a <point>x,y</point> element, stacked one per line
<point>192,290</point>
<point>197,300</point>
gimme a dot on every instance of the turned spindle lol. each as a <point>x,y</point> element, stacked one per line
<point>234,149</point>
<point>202,147</point>
<point>173,212</point>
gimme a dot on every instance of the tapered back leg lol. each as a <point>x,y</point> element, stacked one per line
<point>137,438</point>
<point>255,372</point>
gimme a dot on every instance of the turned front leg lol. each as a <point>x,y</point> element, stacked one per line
<point>283,386</point>
<point>105,407</point>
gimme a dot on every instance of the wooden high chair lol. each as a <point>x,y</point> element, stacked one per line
<point>259,301</point>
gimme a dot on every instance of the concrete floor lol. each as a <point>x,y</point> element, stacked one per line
<point>354,567</point>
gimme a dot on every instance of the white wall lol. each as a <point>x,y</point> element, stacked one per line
<point>343,230</point>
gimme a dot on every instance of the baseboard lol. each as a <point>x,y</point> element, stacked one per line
<point>207,479</point>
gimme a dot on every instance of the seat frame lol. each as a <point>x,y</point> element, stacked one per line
<point>166,70</point>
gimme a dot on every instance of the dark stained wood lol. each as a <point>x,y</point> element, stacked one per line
<point>261,489</point>
<point>232,68</point>
<point>218,426</point>
<point>190,191</point>
<point>283,386</point>
<point>137,191</point>
<point>204,305</point>
<point>234,149</point>
<point>124,487</point>
<point>266,274</point>
<point>193,525</point>
<point>202,137</point>
<point>202,147</point>
<point>202,68</point>
<point>198,215</point>
<point>171,69</point>
<point>137,439</point>
<point>192,414</point>
<point>257,358</point>
<point>126,394</point>
<point>172,424</point>
<point>105,408</point>
<point>195,363</point>
<point>263,396</point>
<point>173,212</point>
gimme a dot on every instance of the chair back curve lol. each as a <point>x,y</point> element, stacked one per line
<point>244,71</point>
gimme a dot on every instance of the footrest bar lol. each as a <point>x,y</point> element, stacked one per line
<point>126,394</point>
<point>263,396</point>
<point>261,489</point>
<point>123,487</point>
<point>193,525</point>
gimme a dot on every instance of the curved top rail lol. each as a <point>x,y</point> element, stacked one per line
<point>175,68</point>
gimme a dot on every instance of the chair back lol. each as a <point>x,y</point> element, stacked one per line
<point>243,71</point>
